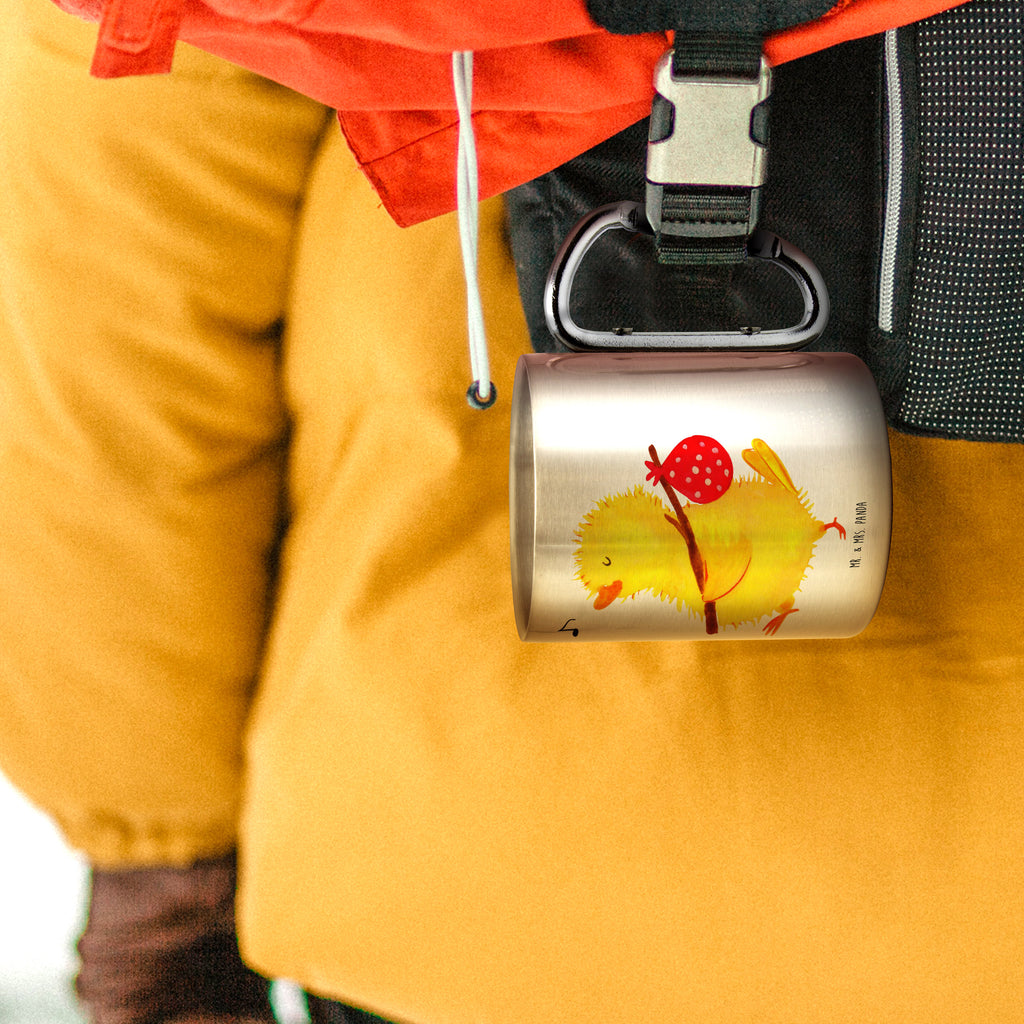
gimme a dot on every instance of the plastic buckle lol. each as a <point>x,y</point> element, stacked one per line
<point>628,216</point>
<point>705,132</point>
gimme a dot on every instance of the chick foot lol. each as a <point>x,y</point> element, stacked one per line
<point>834,525</point>
<point>772,626</point>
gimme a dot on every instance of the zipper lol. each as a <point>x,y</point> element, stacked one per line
<point>893,184</point>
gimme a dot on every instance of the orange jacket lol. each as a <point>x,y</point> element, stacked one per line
<point>549,83</point>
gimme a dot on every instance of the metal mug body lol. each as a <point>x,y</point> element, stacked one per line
<point>689,495</point>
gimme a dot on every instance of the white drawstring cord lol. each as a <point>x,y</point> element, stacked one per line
<point>481,393</point>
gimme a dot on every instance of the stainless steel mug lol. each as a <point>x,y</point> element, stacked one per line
<point>689,495</point>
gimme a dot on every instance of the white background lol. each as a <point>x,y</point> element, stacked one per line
<point>42,891</point>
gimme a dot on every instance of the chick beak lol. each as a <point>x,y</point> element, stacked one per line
<point>607,594</point>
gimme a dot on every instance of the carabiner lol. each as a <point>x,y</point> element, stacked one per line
<point>628,216</point>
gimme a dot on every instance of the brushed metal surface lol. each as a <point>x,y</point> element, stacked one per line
<point>583,425</point>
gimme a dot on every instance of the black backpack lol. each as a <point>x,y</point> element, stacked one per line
<point>896,163</point>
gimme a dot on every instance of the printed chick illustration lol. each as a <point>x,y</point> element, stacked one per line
<point>733,559</point>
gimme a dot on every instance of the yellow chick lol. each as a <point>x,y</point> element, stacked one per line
<point>731,561</point>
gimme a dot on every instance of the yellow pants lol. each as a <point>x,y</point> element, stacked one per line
<point>212,340</point>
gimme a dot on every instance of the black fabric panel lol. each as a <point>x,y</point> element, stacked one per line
<point>823,188</point>
<point>963,332</point>
<point>630,17</point>
<point>820,194</point>
<point>716,54</point>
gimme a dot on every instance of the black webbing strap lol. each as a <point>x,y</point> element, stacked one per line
<point>714,54</point>
<point>683,208</point>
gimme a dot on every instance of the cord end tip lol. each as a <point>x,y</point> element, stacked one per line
<point>481,401</point>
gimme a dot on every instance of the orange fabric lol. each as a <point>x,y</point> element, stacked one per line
<point>549,83</point>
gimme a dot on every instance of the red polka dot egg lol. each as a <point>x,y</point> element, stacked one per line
<point>699,468</point>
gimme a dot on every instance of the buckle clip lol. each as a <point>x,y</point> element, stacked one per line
<point>708,140</point>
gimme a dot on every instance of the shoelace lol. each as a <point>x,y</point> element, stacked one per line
<point>481,393</point>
